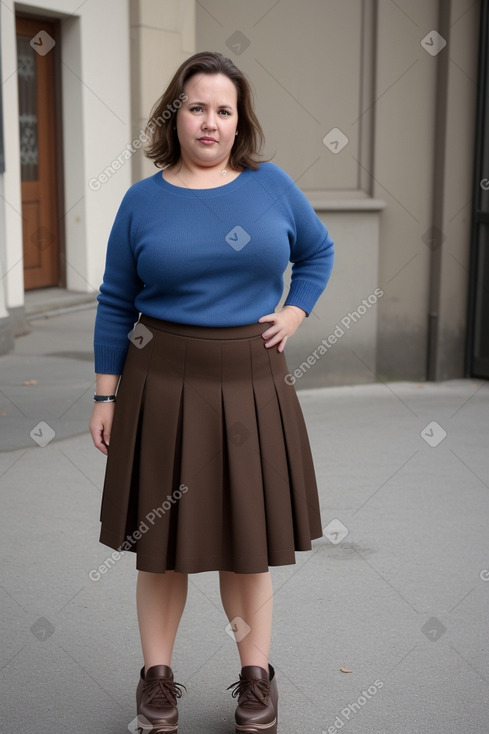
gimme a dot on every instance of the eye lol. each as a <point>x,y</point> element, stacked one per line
<point>225,112</point>
<point>196,109</point>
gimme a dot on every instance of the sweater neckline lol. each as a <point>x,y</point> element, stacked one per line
<point>215,191</point>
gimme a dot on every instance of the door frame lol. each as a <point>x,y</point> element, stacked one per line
<point>58,123</point>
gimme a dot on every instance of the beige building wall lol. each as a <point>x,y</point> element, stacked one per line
<point>424,138</point>
<point>162,36</point>
<point>376,74</point>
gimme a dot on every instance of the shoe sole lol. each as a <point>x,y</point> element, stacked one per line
<point>257,728</point>
<point>145,728</point>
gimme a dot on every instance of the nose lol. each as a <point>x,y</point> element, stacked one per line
<point>210,121</point>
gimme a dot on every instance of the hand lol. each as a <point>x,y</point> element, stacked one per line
<point>284,324</point>
<point>101,424</point>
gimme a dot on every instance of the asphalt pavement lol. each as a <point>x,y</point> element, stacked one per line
<point>381,629</point>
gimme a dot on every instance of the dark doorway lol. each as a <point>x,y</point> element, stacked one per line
<point>477,362</point>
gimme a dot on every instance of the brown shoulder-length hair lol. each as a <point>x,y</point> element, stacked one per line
<point>163,145</point>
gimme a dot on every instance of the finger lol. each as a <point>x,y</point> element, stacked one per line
<point>267,317</point>
<point>103,448</point>
<point>100,442</point>
<point>279,344</point>
<point>277,338</point>
<point>271,332</point>
<point>97,433</point>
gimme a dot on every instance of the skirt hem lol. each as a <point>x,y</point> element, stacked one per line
<point>151,564</point>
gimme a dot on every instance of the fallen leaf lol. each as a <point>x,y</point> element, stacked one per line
<point>345,670</point>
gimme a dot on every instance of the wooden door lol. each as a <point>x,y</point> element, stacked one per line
<point>37,123</point>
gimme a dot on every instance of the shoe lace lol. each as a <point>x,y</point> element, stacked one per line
<point>252,692</point>
<point>163,691</point>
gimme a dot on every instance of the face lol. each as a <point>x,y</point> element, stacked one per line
<point>207,121</point>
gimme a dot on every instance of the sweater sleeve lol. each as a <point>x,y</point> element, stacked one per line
<point>116,312</point>
<point>311,253</point>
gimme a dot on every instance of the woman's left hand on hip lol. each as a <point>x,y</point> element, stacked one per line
<point>284,323</point>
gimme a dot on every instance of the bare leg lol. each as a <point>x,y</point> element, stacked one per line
<point>161,600</point>
<point>250,597</point>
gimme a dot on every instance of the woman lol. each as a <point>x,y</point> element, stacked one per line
<point>209,466</point>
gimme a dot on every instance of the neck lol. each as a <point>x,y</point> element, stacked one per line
<point>192,176</point>
<point>192,170</point>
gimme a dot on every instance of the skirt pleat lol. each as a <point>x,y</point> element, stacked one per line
<point>119,508</point>
<point>209,464</point>
<point>159,451</point>
<point>305,501</point>
<point>274,464</point>
<point>244,482</point>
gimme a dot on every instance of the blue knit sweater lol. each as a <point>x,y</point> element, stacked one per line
<point>208,257</point>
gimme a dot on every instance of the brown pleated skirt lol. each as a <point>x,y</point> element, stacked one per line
<point>209,465</point>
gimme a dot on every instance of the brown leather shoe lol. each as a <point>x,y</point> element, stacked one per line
<point>156,699</point>
<point>257,709</point>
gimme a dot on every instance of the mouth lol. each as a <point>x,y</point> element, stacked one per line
<point>207,140</point>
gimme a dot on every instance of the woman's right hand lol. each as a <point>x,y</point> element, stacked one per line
<point>100,425</point>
